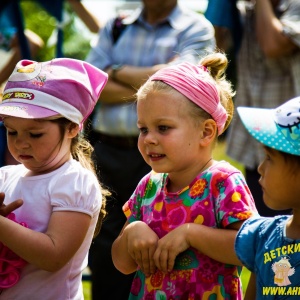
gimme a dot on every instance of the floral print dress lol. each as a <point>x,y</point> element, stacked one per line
<point>216,198</point>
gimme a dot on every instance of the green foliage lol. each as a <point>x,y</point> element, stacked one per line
<point>37,19</point>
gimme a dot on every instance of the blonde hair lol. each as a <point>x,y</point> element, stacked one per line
<point>82,150</point>
<point>217,63</point>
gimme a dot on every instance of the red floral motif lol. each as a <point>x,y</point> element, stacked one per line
<point>156,279</point>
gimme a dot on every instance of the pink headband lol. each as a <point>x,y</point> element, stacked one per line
<point>195,83</point>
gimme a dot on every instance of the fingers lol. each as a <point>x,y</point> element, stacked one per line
<point>142,242</point>
<point>145,261</point>
<point>164,259</point>
<point>168,247</point>
<point>142,252</point>
<point>2,196</point>
<point>7,209</point>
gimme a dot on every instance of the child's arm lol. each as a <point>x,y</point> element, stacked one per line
<point>215,243</point>
<point>51,250</point>
<point>251,288</point>
<point>134,247</point>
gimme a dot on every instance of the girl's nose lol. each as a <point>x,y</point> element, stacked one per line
<point>260,169</point>
<point>150,139</point>
<point>21,143</point>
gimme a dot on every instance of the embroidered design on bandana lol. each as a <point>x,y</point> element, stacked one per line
<point>26,73</point>
<point>18,95</point>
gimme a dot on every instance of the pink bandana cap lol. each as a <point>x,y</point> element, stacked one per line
<point>62,86</point>
<point>194,82</point>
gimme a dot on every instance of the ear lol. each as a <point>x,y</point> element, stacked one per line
<point>72,130</point>
<point>209,132</point>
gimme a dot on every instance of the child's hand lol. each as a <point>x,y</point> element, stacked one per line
<point>7,209</point>
<point>142,242</point>
<point>169,247</point>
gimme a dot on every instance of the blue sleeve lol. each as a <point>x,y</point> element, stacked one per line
<point>247,240</point>
<point>195,40</point>
<point>219,12</point>
<point>101,53</point>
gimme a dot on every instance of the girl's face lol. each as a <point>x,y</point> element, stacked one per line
<point>169,139</point>
<point>281,186</point>
<point>37,144</point>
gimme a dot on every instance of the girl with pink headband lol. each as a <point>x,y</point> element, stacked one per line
<point>170,238</point>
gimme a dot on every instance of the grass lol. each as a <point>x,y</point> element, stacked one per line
<point>87,290</point>
<point>219,154</point>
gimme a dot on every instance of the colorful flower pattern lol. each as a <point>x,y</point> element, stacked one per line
<point>216,198</point>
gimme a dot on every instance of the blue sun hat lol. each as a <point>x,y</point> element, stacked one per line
<point>277,128</point>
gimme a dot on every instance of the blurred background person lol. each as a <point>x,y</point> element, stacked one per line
<point>268,74</point>
<point>11,38</point>
<point>18,42</point>
<point>226,19</point>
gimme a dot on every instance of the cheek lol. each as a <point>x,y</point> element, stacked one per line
<point>10,143</point>
<point>141,145</point>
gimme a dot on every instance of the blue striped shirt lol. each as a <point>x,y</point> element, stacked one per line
<point>184,33</point>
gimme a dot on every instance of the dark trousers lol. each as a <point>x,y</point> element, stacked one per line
<point>252,177</point>
<point>120,169</point>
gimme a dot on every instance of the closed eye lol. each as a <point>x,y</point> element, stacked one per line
<point>36,135</point>
<point>11,132</point>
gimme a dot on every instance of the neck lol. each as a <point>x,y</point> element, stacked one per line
<point>293,226</point>
<point>157,14</point>
<point>179,181</point>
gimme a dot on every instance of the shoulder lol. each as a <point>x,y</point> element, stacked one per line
<point>74,166</point>
<point>75,188</point>
<point>225,168</point>
<point>12,168</point>
<point>255,234</point>
<point>259,229</point>
<point>12,171</point>
<point>223,171</point>
<point>183,17</point>
<point>73,174</point>
<point>262,225</point>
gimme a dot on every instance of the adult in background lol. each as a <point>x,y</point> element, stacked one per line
<point>268,75</point>
<point>226,19</point>
<point>130,50</point>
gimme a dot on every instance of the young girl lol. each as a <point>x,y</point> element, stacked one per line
<point>173,214</point>
<point>44,106</point>
<point>270,247</point>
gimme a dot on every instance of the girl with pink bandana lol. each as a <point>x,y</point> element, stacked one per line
<point>53,192</point>
<point>170,237</point>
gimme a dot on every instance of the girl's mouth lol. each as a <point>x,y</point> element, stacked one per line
<point>155,157</point>
<point>25,157</point>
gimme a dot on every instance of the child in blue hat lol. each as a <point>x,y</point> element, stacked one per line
<point>270,247</point>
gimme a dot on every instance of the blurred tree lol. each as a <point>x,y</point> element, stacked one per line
<point>75,43</point>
